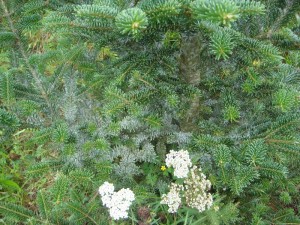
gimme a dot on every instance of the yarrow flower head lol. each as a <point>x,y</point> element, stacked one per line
<point>119,202</point>
<point>106,191</point>
<point>195,188</point>
<point>106,188</point>
<point>172,199</point>
<point>180,161</point>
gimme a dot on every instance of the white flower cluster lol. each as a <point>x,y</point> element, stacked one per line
<point>106,191</point>
<point>196,190</point>
<point>180,161</point>
<point>195,186</point>
<point>172,199</point>
<point>117,202</point>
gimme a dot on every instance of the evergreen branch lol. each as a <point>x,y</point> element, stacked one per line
<point>126,101</point>
<point>138,77</point>
<point>120,104</point>
<point>162,8</point>
<point>281,141</point>
<point>16,212</point>
<point>280,128</point>
<point>25,56</point>
<point>82,213</point>
<point>43,205</point>
<point>96,11</point>
<point>6,89</point>
<point>279,20</point>
<point>74,25</point>
<point>282,216</point>
<point>12,12</point>
<point>28,94</point>
<point>272,169</point>
<point>291,151</point>
<point>60,189</point>
<point>250,7</point>
<point>99,81</point>
<point>67,59</point>
<point>43,167</point>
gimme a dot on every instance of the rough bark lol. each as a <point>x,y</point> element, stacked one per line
<point>190,64</point>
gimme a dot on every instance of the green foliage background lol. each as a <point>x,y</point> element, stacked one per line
<point>94,91</point>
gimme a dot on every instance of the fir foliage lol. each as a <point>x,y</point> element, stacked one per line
<point>103,90</point>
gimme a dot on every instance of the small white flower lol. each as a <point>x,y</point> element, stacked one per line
<point>196,190</point>
<point>181,162</point>
<point>117,202</point>
<point>106,189</point>
<point>181,172</point>
<point>172,199</point>
<point>106,200</point>
<point>117,213</point>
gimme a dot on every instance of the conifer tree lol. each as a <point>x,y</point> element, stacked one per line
<point>104,89</point>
